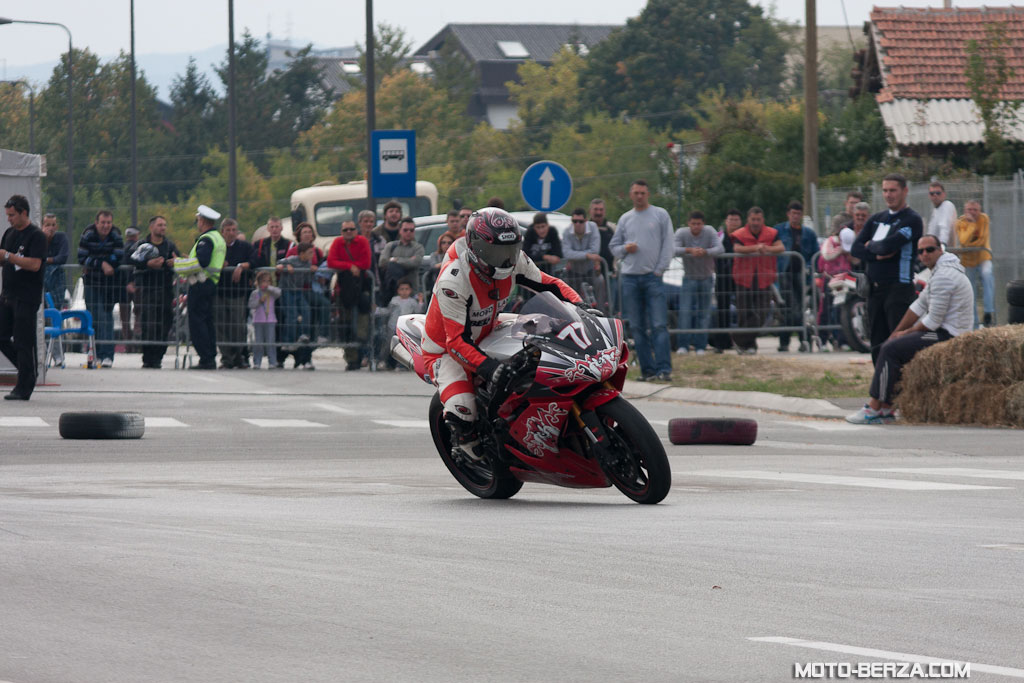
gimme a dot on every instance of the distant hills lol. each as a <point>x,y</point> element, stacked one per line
<point>160,68</point>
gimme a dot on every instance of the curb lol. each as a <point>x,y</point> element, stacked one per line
<point>758,400</point>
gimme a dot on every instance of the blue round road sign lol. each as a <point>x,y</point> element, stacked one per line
<point>546,186</point>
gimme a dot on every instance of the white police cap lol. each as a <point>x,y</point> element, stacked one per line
<point>207,212</point>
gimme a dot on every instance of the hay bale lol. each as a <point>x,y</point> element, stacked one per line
<point>976,378</point>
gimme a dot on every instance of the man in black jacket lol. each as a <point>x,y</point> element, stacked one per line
<point>22,252</point>
<point>153,287</point>
<point>100,252</point>
<point>232,298</point>
<point>886,246</point>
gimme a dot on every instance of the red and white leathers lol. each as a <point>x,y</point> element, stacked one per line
<point>463,310</point>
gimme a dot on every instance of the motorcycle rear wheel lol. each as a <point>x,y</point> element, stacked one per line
<point>642,472</point>
<point>853,317</point>
<point>484,480</point>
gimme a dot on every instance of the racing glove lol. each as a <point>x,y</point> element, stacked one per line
<point>495,372</point>
<point>584,306</point>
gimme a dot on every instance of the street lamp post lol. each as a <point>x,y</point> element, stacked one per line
<point>71,133</point>
<point>31,113</point>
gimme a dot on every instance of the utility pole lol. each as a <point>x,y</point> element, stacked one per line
<point>232,161</point>
<point>135,148</point>
<point>810,105</point>
<point>371,109</point>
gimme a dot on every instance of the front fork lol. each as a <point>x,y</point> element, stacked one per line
<point>594,432</point>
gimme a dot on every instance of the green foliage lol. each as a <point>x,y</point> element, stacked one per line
<point>547,96</point>
<point>755,152</point>
<point>988,71</point>
<point>390,50</point>
<point>14,123</point>
<point>404,101</point>
<point>662,60</point>
<point>453,73</point>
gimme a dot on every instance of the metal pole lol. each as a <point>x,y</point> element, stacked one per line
<point>810,100</point>
<point>135,155</point>
<point>232,161</point>
<point>371,110</point>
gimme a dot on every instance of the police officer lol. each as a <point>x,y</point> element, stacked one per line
<point>202,268</point>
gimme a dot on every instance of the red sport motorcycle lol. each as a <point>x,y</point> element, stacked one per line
<point>560,418</point>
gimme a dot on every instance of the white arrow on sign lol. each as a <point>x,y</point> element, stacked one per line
<point>546,178</point>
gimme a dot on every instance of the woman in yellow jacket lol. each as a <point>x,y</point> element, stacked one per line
<point>972,231</point>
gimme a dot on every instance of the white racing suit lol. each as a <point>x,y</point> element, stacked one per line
<point>463,310</point>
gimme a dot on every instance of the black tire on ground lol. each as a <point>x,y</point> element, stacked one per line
<point>99,425</point>
<point>484,480</point>
<point>1015,314</point>
<point>686,431</point>
<point>853,318</point>
<point>642,472</point>
<point>1015,292</point>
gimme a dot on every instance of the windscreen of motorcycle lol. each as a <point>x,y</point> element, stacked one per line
<point>575,347</point>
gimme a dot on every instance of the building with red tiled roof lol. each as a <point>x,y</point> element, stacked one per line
<point>915,65</point>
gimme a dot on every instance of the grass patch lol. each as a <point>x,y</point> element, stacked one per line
<point>818,376</point>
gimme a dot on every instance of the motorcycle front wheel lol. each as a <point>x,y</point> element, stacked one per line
<point>486,479</point>
<point>639,467</point>
<point>853,318</point>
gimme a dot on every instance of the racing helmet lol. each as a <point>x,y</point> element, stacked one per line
<point>144,252</point>
<point>493,242</point>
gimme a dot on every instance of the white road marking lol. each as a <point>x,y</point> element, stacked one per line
<point>978,473</point>
<point>901,484</point>
<point>281,422</point>
<point>827,426</point>
<point>23,422</point>
<point>888,655</point>
<point>1004,546</point>
<point>200,376</point>
<point>334,409</point>
<point>163,422</point>
<point>405,424</point>
<point>660,423</point>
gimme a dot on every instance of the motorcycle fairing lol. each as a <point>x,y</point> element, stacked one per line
<point>536,437</point>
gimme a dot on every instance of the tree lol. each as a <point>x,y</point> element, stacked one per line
<point>546,96</point>
<point>305,98</point>
<point>658,64</point>
<point>14,119</point>
<point>453,73</point>
<point>193,122</point>
<point>988,71</point>
<point>390,50</point>
<point>102,135</point>
<point>404,101</point>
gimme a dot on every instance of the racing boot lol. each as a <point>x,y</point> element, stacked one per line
<point>465,438</point>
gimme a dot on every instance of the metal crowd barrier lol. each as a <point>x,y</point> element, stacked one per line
<point>778,312</point>
<point>308,317</point>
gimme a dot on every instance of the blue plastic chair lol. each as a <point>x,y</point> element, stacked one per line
<point>55,329</point>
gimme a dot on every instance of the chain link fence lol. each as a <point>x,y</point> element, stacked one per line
<point>1001,198</point>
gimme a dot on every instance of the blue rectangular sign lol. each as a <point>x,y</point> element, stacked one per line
<point>393,171</point>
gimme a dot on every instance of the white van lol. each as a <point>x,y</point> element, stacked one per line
<point>327,205</point>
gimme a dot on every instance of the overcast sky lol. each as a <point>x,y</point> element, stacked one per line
<point>175,26</point>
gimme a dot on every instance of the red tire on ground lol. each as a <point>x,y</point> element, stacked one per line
<point>687,431</point>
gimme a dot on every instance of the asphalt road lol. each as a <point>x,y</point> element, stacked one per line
<point>332,545</point>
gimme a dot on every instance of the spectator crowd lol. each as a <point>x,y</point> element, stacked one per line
<point>740,281</point>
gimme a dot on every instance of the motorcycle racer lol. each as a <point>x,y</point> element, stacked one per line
<point>472,288</point>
